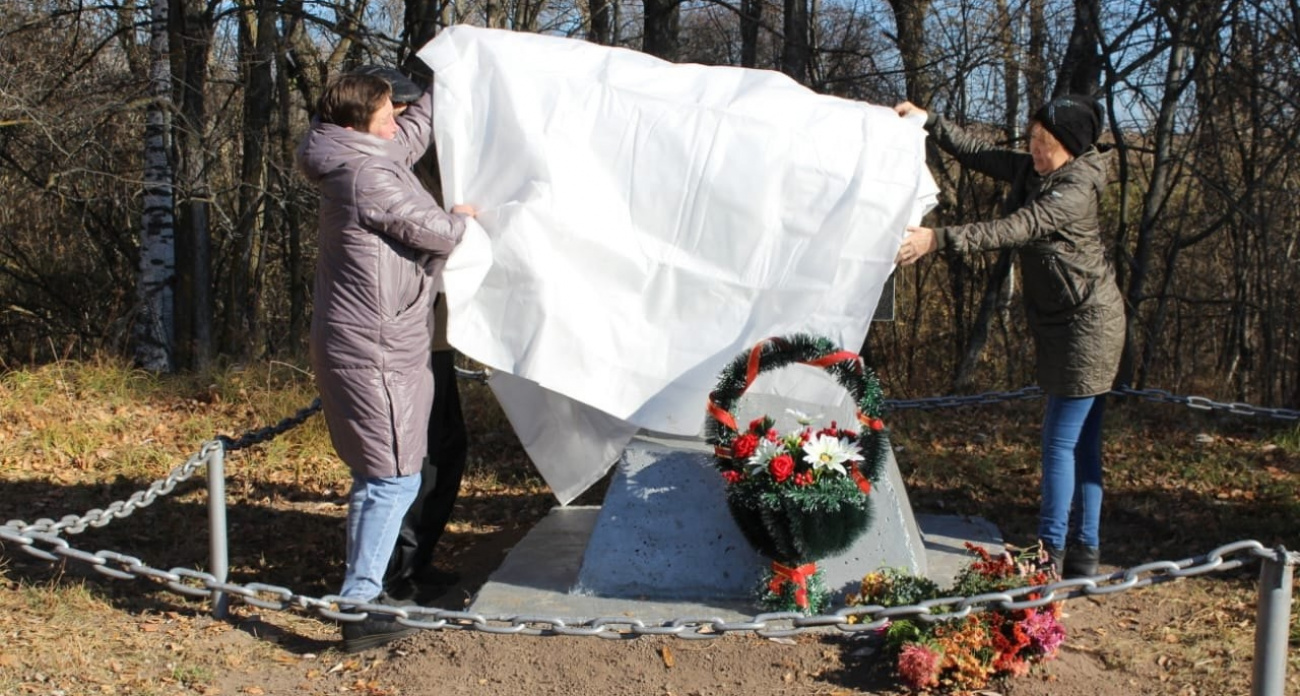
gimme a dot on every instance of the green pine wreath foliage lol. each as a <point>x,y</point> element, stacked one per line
<point>801,523</point>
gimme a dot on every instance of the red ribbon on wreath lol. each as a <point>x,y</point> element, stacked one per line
<point>799,576</point>
<point>751,373</point>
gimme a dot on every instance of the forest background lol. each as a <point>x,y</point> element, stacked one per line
<point>149,205</point>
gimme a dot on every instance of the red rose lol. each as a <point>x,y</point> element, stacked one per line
<point>756,425</point>
<point>782,467</point>
<point>732,476</point>
<point>744,446</point>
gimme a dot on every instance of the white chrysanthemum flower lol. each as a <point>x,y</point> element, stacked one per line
<point>830,452</point>
<point>801,417</point>
<point>764,453</point>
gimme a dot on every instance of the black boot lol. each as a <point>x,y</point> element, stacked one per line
<point>1081,561</point>
<point>376,629</point>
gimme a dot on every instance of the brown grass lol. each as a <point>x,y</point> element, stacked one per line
<point>76,436</point>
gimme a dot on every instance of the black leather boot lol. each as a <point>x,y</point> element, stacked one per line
<point>1081,561</point>
<point>376,629</point>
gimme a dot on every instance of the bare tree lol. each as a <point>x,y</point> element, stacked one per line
<point>795,49</point>
<point>662,22</point>
<point>192,27</point>
<point>242,333</point>
<point>155,321</point>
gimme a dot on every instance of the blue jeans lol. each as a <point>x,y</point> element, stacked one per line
<point>376,507</point>
<point>1071,510</point>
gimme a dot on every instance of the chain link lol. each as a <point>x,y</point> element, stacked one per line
<point>74,524</point>
<point>1199,403</point>
<point>985,398</point>
<point>1203,404</point>
<point>474,375</point>
<point>195,583</point>
<point>261,435</point>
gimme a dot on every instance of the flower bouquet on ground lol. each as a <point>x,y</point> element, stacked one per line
<point>798,496</point>
<point>965,654</point>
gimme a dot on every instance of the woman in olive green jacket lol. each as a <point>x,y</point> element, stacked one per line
<point>1072,302</point>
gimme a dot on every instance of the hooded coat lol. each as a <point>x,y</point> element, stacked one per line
<point>1072,300</point>
<point>383,243</point>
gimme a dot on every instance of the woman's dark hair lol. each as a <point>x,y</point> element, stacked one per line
<point>351,100</point>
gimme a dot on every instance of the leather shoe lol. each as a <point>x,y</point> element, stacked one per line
<point>1081,561</point>
<point>376,629</point>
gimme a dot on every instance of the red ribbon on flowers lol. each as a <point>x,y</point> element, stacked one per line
<point>832,358</point>
<point>751,367</point>
<point>781,575</point>
<point>721,415</point>
<point>863,484</point>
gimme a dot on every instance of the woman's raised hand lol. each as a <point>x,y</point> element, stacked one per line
<point>910,111</point>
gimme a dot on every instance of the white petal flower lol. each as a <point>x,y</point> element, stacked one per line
<point>801,417</point>
<point>764,454</point>
<point>830,452</point>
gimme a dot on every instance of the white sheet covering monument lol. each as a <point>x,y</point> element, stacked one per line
<point>642,222</point>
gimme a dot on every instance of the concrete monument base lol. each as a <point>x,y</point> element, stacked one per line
<point>664,546</point>
<point>665,531</point>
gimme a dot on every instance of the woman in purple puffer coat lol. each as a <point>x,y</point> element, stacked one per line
<point>383,243</point>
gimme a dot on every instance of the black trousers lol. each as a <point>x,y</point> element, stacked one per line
<point>440,478</point>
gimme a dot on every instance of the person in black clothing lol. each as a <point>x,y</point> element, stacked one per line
<point>411,573</point>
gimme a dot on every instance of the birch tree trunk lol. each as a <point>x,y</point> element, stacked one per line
<point>154,325</point>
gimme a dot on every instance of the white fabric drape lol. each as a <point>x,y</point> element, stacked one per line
<point>643,222</point>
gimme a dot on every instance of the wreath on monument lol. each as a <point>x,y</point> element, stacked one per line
<point>803,495</point>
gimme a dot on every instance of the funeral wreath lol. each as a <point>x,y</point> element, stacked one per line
<point>802,495</point>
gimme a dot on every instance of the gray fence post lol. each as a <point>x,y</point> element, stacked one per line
<point>1272,624</point>
<point>217,549</point>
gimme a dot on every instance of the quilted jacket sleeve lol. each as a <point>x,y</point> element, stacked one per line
<point>415,127</point>
<point>391,205</point>
<point>1061,206</point>
<point>986,158</point>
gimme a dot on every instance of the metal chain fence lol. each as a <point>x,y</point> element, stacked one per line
<point>1273,610</point>
<point>199,584</point>
<point>1155,395</point>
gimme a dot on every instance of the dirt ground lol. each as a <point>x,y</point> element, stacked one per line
<point>1182,638</point>
<point>1098,658</point>
<point>1113,648</point>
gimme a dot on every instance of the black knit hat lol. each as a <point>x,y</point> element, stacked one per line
<point>1074,119</point>
<point>404,91</point>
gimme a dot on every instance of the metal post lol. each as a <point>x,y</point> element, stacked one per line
<point>217,548</point>
<point>1272,622</point>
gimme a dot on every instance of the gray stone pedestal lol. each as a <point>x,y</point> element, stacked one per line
<point>663,546</point>
<point>664,532</point>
